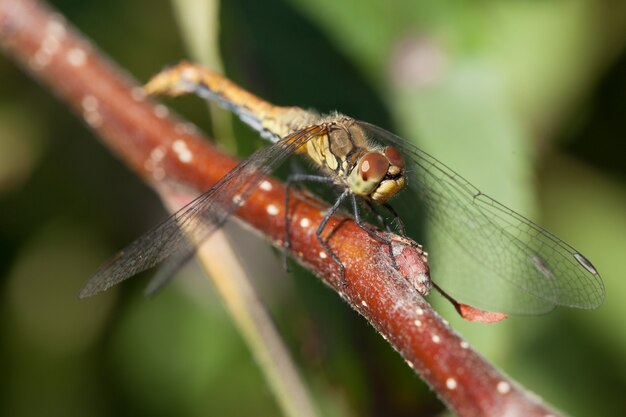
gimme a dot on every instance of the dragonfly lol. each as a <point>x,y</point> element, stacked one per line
<point>506,263</point>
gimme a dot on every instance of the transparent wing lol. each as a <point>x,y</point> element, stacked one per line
<point>177,237</point>
<point>488,255</point>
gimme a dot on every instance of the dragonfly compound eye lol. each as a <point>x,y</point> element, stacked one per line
<point>373,167</point>
<point>395,157</point>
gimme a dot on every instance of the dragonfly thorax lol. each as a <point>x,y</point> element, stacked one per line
<point>378,175</point>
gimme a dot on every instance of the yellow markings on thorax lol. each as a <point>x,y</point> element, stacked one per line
<point>335,151</point>
<point>318,150</point>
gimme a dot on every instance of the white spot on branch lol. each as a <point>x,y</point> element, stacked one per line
<point>157,153</point>
<point>89,103</point>
<point>76,57</point>
<point>503,387</point>
<point>91,111</point>
<point>50,45</point>
<point>94,119</point>
<point>238,200</point>
<point>161,111</point>
<point>138,94</point>
<point>153,163</point>
<point>179,146</point>
<point>158,174</point>
<point>451,383</point>
<point>55,28</point>
<point>266,186</point>
<point>40,60</point>
<point>186,128</point>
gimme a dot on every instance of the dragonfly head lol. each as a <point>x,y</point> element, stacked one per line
<point>378,175</point>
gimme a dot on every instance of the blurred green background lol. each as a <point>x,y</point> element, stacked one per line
<point>524,97</point>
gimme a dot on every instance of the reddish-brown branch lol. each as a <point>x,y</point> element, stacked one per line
<point>166,151</point>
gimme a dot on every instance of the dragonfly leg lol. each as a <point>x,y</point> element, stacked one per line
<point>381,220</point>
<point>370,231</point>
<point>320,229</point>
<point>291,180</point>
<point>359,222</point>
<point>379,217</point>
